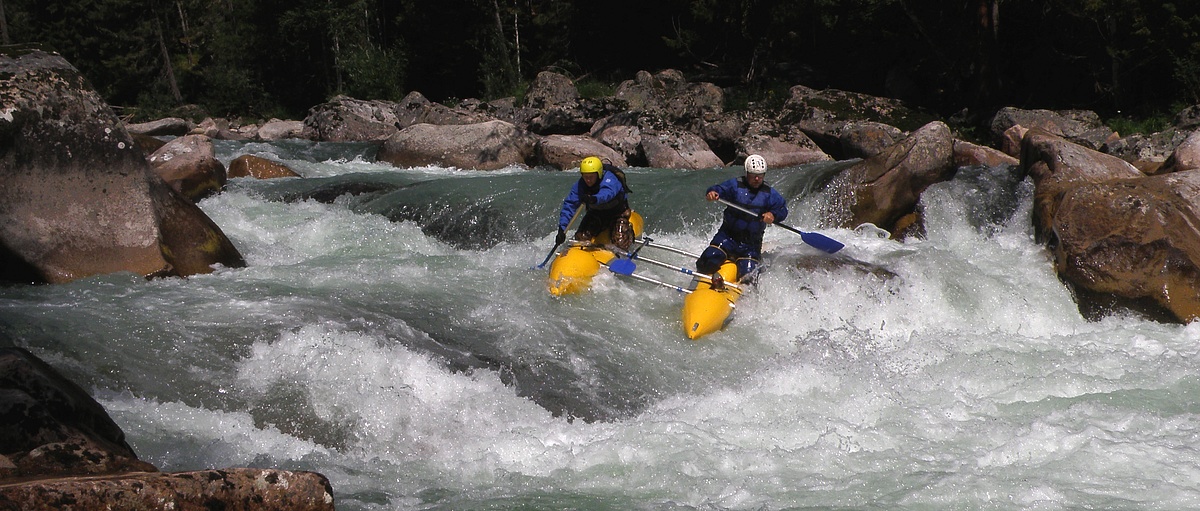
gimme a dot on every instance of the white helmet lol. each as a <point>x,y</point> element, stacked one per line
<point>755,164</point>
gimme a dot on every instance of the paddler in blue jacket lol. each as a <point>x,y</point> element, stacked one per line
<point>740,237</point>
<point>601,191</point>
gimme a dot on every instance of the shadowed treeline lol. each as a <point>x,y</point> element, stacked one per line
<point>263,58</point>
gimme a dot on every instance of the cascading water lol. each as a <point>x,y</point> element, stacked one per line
<point>390,332</point>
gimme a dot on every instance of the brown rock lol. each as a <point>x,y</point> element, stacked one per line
<point>884,188</point>
<point>189,165</point>
<point>1082,127</point>
<point>192,242</point>
<point>248,165</point>
<point>1134,238</point>
<point>550,89</point>
<point>219,129</point>
<point>1185,157</point>
<point>239,489</point>
<point>668,93</point>
<point>276,129</point>
<point>170,126</point>
<point>863,139</point>
<point>345,119</point>
<point>52,427</point>
<point>1010,140</point>
<point>822,114</point>
<point>1057,165</point>
<point>148,144</point>
<point>779,152</point>
<point>967,154</point>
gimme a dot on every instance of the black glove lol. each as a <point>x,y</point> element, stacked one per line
<point>588,199</point>
<point>562,236</point>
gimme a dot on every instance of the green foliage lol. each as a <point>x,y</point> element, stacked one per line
<point>498,69</point>
<point>592,89</point>
<point>1127,125</point>
<point>375,74</point>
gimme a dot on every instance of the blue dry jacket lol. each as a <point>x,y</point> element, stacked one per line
<point>609,193</point>
<point>737,224</point>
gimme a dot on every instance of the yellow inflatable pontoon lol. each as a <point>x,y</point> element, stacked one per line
<point>705,310</point>
<point>572,271</point>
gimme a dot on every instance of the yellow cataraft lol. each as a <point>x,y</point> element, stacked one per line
<point>572,271</point>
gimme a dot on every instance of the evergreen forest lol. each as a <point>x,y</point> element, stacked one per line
<point>278,58</point>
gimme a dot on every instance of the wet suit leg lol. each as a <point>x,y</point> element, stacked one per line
<point>715,255</point>
<point>746,256</point>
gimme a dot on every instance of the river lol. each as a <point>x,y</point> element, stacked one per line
<point>390,331</point>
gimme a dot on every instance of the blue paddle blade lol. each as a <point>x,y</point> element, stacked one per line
<point>821,242</point>
<point>622,266</point>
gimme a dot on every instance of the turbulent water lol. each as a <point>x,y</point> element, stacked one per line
<point>390,332</point>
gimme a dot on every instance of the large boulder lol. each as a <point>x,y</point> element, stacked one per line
<point>52,427</point>
<point>622,133</point>
<point>884,189</point>
<point>551,90</point>
<point>678,150</point>
<point>1082,127</point>
<point>61,450</point>
<point>785,150</point>
<point>483,146</point>
<point>168,126</point>
<point>967,154</point>
<point>1056,166</point>
<point>190,165</point>
<point>1135,239</point>
<point>79,198</point>
<point>864,139</point>
<point>566,151</point>
<point>416,109</point>
<point>668,94</point>
<point>1148,152</point>
<point>345,119</point>
<point>276,129</point>
<point>1117,236</point>
<point>1186,156</point>
<point>824,114</point>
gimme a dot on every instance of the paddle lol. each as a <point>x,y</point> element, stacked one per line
<point>669,266</point>
<point>556,244</point>
<point>624,263</point>
<point>816,239</point>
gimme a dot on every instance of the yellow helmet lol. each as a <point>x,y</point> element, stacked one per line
<point>591,165</point>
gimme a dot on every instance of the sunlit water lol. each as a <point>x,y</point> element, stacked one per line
<point>390,332</point>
